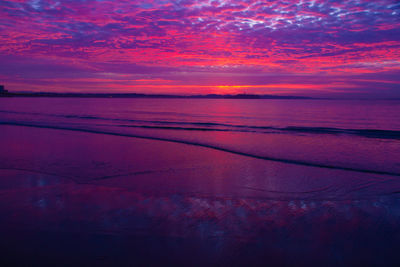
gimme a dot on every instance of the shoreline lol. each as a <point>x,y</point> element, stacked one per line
<point>272,159</point>
<point>76,197</point>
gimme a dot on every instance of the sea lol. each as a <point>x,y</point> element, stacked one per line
<point>339,134</point>
<point>226,181</point>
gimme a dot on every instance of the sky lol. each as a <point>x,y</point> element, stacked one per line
<point>308,48</point>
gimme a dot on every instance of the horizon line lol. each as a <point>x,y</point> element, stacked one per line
<point>173,95</point>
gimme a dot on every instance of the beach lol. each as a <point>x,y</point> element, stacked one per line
<point>74,197</point>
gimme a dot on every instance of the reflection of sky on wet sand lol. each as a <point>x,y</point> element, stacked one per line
<point>307,230</point>
<point>199,206</point>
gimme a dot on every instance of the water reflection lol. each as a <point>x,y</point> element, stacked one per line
<point>255,229</point>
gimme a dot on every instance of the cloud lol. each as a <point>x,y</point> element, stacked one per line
<point>179,38</point>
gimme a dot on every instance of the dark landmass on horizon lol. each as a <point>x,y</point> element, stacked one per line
<point>137,95</point>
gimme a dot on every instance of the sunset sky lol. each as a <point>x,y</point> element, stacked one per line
<point>313,48</point>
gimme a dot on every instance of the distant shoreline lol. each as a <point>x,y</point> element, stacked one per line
<point>136,95</point>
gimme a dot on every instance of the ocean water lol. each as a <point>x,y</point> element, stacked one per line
<point>200,181</point>
<point>339,134</point>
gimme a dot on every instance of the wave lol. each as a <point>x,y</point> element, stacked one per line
<point>220,148</point>
<point>227,127</point>
<point>370,133</point>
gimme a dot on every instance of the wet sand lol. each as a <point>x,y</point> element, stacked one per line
<point>70,197</point>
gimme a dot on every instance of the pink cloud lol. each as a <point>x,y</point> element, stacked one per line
<point>156,40</point>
